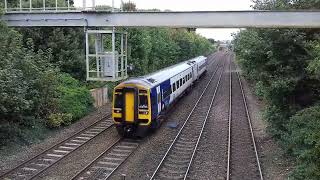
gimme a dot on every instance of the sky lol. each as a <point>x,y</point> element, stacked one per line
<point>187,5</point>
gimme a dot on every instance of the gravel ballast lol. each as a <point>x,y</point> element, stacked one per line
<point>10,157</point>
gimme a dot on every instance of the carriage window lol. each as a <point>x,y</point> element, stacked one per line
<point>186,78</point>
<point>177,84</point>
<point>143,102</point>
<point>118,101</point>
<point>190,75</point>
<point>174,87</point>
<point>181,82</point>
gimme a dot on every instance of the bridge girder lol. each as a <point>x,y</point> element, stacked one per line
<point>197,19</point>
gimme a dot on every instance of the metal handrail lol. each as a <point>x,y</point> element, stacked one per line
<point>56,8</point>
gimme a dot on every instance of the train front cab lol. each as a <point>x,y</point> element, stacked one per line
<point>131,111</point>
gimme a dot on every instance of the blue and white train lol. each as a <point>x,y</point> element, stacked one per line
<point>138,103</point>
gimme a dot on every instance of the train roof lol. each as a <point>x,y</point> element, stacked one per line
<point>159,76</point>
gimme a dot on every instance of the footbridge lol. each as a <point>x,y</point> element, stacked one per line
<point>198,19</point>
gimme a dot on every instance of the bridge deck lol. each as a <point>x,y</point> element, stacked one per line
<point>201,19</point>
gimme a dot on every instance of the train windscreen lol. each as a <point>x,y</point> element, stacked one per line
<point>143,102</point>
<point>118,101</point>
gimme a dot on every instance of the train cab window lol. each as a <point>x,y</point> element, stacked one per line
<point>118,101</point>
<point>143,102</point>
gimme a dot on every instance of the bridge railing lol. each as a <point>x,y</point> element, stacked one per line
<point>50,6</point>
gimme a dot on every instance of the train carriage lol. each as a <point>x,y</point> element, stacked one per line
<point>139,102</point>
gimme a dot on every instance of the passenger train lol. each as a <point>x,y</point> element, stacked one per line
<point>139,103</point>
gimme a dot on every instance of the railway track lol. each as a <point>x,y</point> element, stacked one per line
<point>177,160</point>
<point>243,160</point>
<point>107,162</point>
<point>112,158</point>
<point>47,158</point>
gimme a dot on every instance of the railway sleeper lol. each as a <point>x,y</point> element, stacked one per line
<point>175,166</point>
<point>184,148</point>
<point>178,160</point>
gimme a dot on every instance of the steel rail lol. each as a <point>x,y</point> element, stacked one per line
<point>204,123</point>
<point>119,165</point>
<point>229,123</point>
<point>114,165</point>
<point>97,158</point>
<point>250,125</point>
<point>187,119</point>
<point>16,169</point>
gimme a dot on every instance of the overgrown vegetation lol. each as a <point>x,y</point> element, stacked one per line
<point>36,91</point>
<point>284,65</point>
<point>151,49</point>
<point>33,89</point>
<point>42,71</point>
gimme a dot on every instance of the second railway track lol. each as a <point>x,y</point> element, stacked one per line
<point>243,160</point>
<point>176,162</point>
<point>47,158</point>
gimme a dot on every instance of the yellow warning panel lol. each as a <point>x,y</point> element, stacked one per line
<point>129,106</point>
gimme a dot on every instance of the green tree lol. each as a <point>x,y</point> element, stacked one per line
<point>284,66</point>
<point>67,46</point>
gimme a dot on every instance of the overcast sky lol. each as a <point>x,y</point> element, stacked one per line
<point>186,5</point>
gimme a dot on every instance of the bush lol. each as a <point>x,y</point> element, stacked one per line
<point>58,119</point>
<point>303,142</point>
<point>9,133</point>
<point>74,99</point>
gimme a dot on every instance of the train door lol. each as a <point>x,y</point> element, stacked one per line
<point>195,72</point>
<point>129,106</point>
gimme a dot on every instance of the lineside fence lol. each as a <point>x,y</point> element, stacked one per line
<point>100,96</point>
